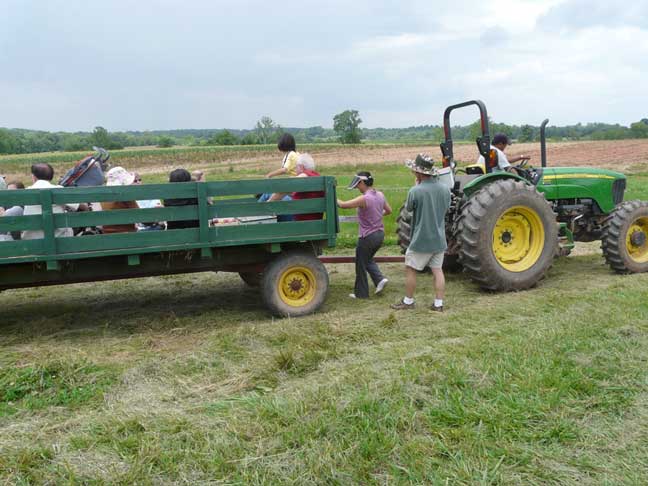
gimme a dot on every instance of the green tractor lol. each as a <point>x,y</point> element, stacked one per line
<point>504,228</point>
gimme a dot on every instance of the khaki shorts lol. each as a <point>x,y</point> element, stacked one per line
<point>418,261</point>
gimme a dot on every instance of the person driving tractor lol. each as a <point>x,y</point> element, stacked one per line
<point>499,143</point>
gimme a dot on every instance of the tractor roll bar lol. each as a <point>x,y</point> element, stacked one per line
<point>483,142</point>
<point>543,142</point>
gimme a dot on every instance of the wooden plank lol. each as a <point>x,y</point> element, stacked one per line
<point>246,233</point>
<point>125,216</point>
<point>70,195</point>
<point>179,190</point>
<point>9,249</point>
<point>331,211</point>
<point>203,213</point>
<point>19,198</point>
<point>49,242</point>
<point>259,186</point>
<point>127,241</point>
<point>21,223</point>
<point>300,206</point>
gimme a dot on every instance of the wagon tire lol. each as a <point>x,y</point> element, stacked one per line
<point>294,284</point>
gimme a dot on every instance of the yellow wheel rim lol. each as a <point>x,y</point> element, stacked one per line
<point>518,238</point>
<point>637,240</point>
<point>297,286</point>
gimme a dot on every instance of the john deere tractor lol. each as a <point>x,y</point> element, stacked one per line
<point>504,228</point>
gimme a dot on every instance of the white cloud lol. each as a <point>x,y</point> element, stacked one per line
<point>215,64</point>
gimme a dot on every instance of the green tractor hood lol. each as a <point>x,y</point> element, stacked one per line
<point>606,187</point>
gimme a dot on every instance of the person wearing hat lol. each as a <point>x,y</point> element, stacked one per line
<point>499,143</point>
<point>372,206</point>
<point>428,201</point>
<point>118,176</point>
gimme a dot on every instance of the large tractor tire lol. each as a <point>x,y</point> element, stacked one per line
<point>507,235</point>
<point>294,284</point>
<point>404,231</point>
<point>625,237</point>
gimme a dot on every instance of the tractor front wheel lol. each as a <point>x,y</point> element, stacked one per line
<point>625,237</point>
<point>507,236</point>
<point>294,284</point>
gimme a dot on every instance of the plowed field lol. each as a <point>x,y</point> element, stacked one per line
<point>622,155</point>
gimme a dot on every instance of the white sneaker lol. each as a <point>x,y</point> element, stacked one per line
<point>352,296</point>
<point>381,285</point>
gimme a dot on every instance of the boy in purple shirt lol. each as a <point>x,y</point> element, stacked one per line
<point>372,206</point>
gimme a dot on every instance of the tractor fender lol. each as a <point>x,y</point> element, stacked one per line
<point>476,184</point>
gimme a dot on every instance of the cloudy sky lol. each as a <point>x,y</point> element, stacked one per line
<point>163,64</point>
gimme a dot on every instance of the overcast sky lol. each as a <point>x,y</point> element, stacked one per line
<point>163,64</point>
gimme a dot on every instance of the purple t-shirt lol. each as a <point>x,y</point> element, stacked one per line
<point>371,216</point>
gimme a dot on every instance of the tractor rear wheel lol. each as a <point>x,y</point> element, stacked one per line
<point>294,284</point>
<point>507,235</point>
<point>404,232</point>
<point>625,237</point>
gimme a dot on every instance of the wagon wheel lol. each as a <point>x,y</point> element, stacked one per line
<point>294,284</point>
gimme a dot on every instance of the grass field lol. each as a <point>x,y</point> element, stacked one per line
<point>186,380</point>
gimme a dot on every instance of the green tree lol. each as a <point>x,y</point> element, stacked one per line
<point>71,142</point>
<point>224,138</point>
<point>249,138</point>
<point>101,138</point>
<point>165,141</point>
<point>640,129</point>
<point>8,142</point>
<point>526,133</point>
<point>347,126</point>
<point>266,130</point>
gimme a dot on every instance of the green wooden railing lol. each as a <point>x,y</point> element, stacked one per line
<point>204,237</point>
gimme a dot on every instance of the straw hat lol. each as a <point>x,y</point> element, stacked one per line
<point>423,164</point>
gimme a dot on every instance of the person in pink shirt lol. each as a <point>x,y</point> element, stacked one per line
<point>372,206</point>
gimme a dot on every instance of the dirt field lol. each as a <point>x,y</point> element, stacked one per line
<point>630,156</point>
<point>624,156</point>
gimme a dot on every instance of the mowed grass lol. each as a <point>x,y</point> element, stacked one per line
<point>187,380</point>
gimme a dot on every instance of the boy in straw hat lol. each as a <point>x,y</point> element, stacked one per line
<point>428,201</point>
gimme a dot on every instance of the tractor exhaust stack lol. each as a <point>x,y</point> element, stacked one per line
<point>543,143</point>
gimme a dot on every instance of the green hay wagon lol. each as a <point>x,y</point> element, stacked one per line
<point>280,257</point>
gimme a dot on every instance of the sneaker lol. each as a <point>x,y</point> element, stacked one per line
<point>435,308</point>
<point>352,296</point>
<point>403,306</point>
<point>381,285</point>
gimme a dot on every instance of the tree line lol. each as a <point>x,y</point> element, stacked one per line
<point>346,129</point>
